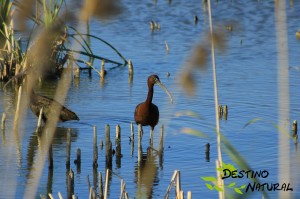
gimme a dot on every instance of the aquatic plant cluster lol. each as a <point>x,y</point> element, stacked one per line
<point>50,26</point>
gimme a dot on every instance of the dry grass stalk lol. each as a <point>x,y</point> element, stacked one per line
<point>284,162</point>
<point>219,165</point>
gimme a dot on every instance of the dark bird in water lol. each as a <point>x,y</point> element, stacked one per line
<point>147,113</point>
<point>39,101</point>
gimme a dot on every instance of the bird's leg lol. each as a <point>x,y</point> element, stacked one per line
<point>151,136</point>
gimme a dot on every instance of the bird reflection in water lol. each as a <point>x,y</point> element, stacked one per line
<point>146,175</point>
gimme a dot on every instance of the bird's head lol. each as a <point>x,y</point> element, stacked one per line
<point>154,79</point>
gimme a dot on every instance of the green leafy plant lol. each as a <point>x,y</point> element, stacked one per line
<point>211,181</point>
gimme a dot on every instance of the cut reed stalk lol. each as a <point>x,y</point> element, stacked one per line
<point>106,183</point>
<point>107,135</point>
<point>100,186</point>
<point>95,149</point>
<point>130,68</point>
<point>60,196</point>
<point>92,194</point>
<point>118,140</point>
<point>102,70</point>
<point>50,196</point>
<point>225,112</point>
<point>108,155</point>
<point>161,142</point>
<point>189,195</point>
<point>118,146</point>
<point>122,189</point>
<point>108,147</point>
<point>68,149</point>
<point>178,185</point>
<point>140,151</point>
<point>207,152</point>
<point>172,182</point>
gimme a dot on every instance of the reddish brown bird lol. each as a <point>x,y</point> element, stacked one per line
<point>147,113</point>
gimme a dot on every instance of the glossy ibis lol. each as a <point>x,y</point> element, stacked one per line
<point>39,101</point>
<point>147,113</point>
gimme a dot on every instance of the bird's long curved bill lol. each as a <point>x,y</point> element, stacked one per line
<point>165,89</point>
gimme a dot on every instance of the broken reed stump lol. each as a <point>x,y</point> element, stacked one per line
<point>161,146</point>
<point>130,68</point>
<point>161,142</point>
<point>118,146</point>
<point>3,121</point>
<point>70,183</point>
<point>92,194</point>
<point>95,151</point>
<point>95,177</point>
<point>106,183</point>
<point>225,112</point>
<point>107,134</point>
<point>140,150</point>
<point>108,156</point>
<point>179,192</point>
<point>101,196</point>
<point>178,184</point>
<point>50,157</point>
<point>207,152</point>
<point>68,149</point>
<point>108,147</point>
<point>131,139</point>
<point>220,110</point>
<point>189,195</point>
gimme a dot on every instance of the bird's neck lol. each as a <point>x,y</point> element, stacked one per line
<point>150,95</point>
